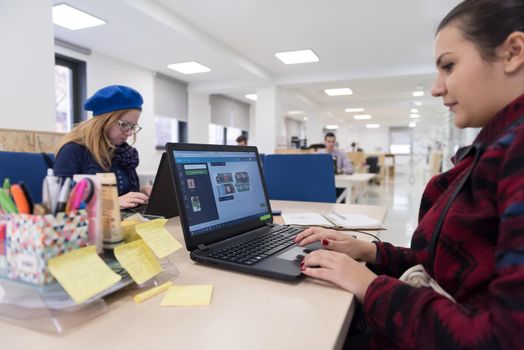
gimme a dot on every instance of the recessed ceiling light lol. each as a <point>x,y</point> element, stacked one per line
<point>295,57</point>
<point>73,19</point>
<point>295,112</point>
<point>372,126</point>
<point>331,127</point>
<point>417,103</point>
<point>354,110</point>
<point>414,116</point>
<point>252,97</point>
<point>305,118</point>
<point>362,116</point>
<point>338,92</point>
<point>412,124</point>
<point>414,110</point>
<point>418,93</point>
<point>189,67</point>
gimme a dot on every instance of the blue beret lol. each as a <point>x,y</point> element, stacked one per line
<point>113,98</point>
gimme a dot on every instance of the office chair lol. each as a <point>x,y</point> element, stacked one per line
<point>31,168</point>
<point>300,177</point>
<point>373,167</point>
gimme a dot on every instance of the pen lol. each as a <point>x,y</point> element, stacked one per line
<point>152,292</point>
<point>19,197</point>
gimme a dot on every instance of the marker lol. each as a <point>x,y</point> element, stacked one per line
<point>62,198</point>
<point>27,196</point>
<point>19,197</point>
<point>152,292</point>
<point>78,193</point>
<point>7,204</point>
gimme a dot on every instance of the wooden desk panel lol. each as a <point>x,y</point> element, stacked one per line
<point>247,312</point>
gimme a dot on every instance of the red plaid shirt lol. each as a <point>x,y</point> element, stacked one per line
<point>479,257</point>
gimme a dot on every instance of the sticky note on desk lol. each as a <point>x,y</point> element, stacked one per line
<point>196,295</point>
<point>157,238</point>
<point>82,273</point>
<point>128,229</point>
<point>138,260</point>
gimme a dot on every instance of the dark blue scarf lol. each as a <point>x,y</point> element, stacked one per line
<point>126,157</point>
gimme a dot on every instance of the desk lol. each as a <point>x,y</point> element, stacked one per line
<point>246,312</point>
<point>357,181</point>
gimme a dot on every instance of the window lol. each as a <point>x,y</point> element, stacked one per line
<point>70,92</point>
<point>399,140</point>
<point>217,134</point>
<point>169,130</point>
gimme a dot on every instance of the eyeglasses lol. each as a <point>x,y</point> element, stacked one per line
<point>127,127</point>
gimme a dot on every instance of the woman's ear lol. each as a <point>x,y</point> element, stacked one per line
<point>513,52</point>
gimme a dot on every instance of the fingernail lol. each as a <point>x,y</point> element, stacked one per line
<point>302,268</point>
<point>325,242</point>
<point>302,263</point>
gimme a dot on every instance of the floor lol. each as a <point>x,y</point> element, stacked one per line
<point>402,199</point>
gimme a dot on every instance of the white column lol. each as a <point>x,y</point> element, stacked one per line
<point>27,91</point>
<point>268,120</point>
<point>199,118</point>
<point>314,128</point>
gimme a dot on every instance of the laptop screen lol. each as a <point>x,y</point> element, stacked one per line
<point>219,189</point>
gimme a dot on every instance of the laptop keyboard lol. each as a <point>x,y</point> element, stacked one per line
<point>258,247</point>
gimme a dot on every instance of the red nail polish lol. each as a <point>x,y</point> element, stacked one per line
<point>325,242</point>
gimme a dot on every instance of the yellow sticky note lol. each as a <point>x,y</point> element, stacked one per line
<point>157,238</point>
<point>138,260</point>
<point>128,228</point>
<point>197,295</point>
<point>82,273</point>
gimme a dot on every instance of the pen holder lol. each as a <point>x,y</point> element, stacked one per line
<point>32,240</point>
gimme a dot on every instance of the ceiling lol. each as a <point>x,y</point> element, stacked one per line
<point>381,49</point>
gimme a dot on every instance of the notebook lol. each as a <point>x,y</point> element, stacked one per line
<point>225,211</point>
<point>162,202</point>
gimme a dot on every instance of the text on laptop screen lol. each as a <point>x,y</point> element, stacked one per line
<point>220,189</point>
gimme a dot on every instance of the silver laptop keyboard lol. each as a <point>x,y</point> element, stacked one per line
<point>259,247</point>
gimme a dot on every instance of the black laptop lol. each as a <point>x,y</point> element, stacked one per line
<point>225,212</point>
<point>162,201</point>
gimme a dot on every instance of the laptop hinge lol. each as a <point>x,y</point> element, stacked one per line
<point>203,247</point>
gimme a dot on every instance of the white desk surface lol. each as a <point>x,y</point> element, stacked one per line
<point>348,180</point>
<point>247,312</point>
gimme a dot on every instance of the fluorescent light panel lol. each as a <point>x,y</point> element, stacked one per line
<point>372,126</point>
<point>296,57</point>
<point>417,103</point>
<point>252,97</point>
<point>414,116</point>
<point>418,93</point>
<point>295,112</point>
<point>189,67</point>
<point>354,110</point>
<point>412,124</point>
<point>414,110</point>
<point>73,19</point>
<point>331,127</point>
<point>338,92</point>
<point>362,116</point>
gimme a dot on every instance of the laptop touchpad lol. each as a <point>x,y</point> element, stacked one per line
<point>291,254</point>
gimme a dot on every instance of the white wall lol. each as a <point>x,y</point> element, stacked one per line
<point>27,62</point>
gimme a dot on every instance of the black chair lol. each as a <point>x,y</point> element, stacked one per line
<point>373,168</point>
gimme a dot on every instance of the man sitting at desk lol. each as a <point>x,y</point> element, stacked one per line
<point>344,165</point>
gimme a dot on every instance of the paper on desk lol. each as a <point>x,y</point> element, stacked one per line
<point>353,221</point>
<point>138,260</point>
<point>306,219</point>
<point>82,273</point>
<point>189,295</point>
<point>157,238</point>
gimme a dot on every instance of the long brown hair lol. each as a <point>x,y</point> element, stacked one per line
<point>92,134</point>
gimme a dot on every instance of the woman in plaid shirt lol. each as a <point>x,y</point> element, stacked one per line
<point>470,237</point>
